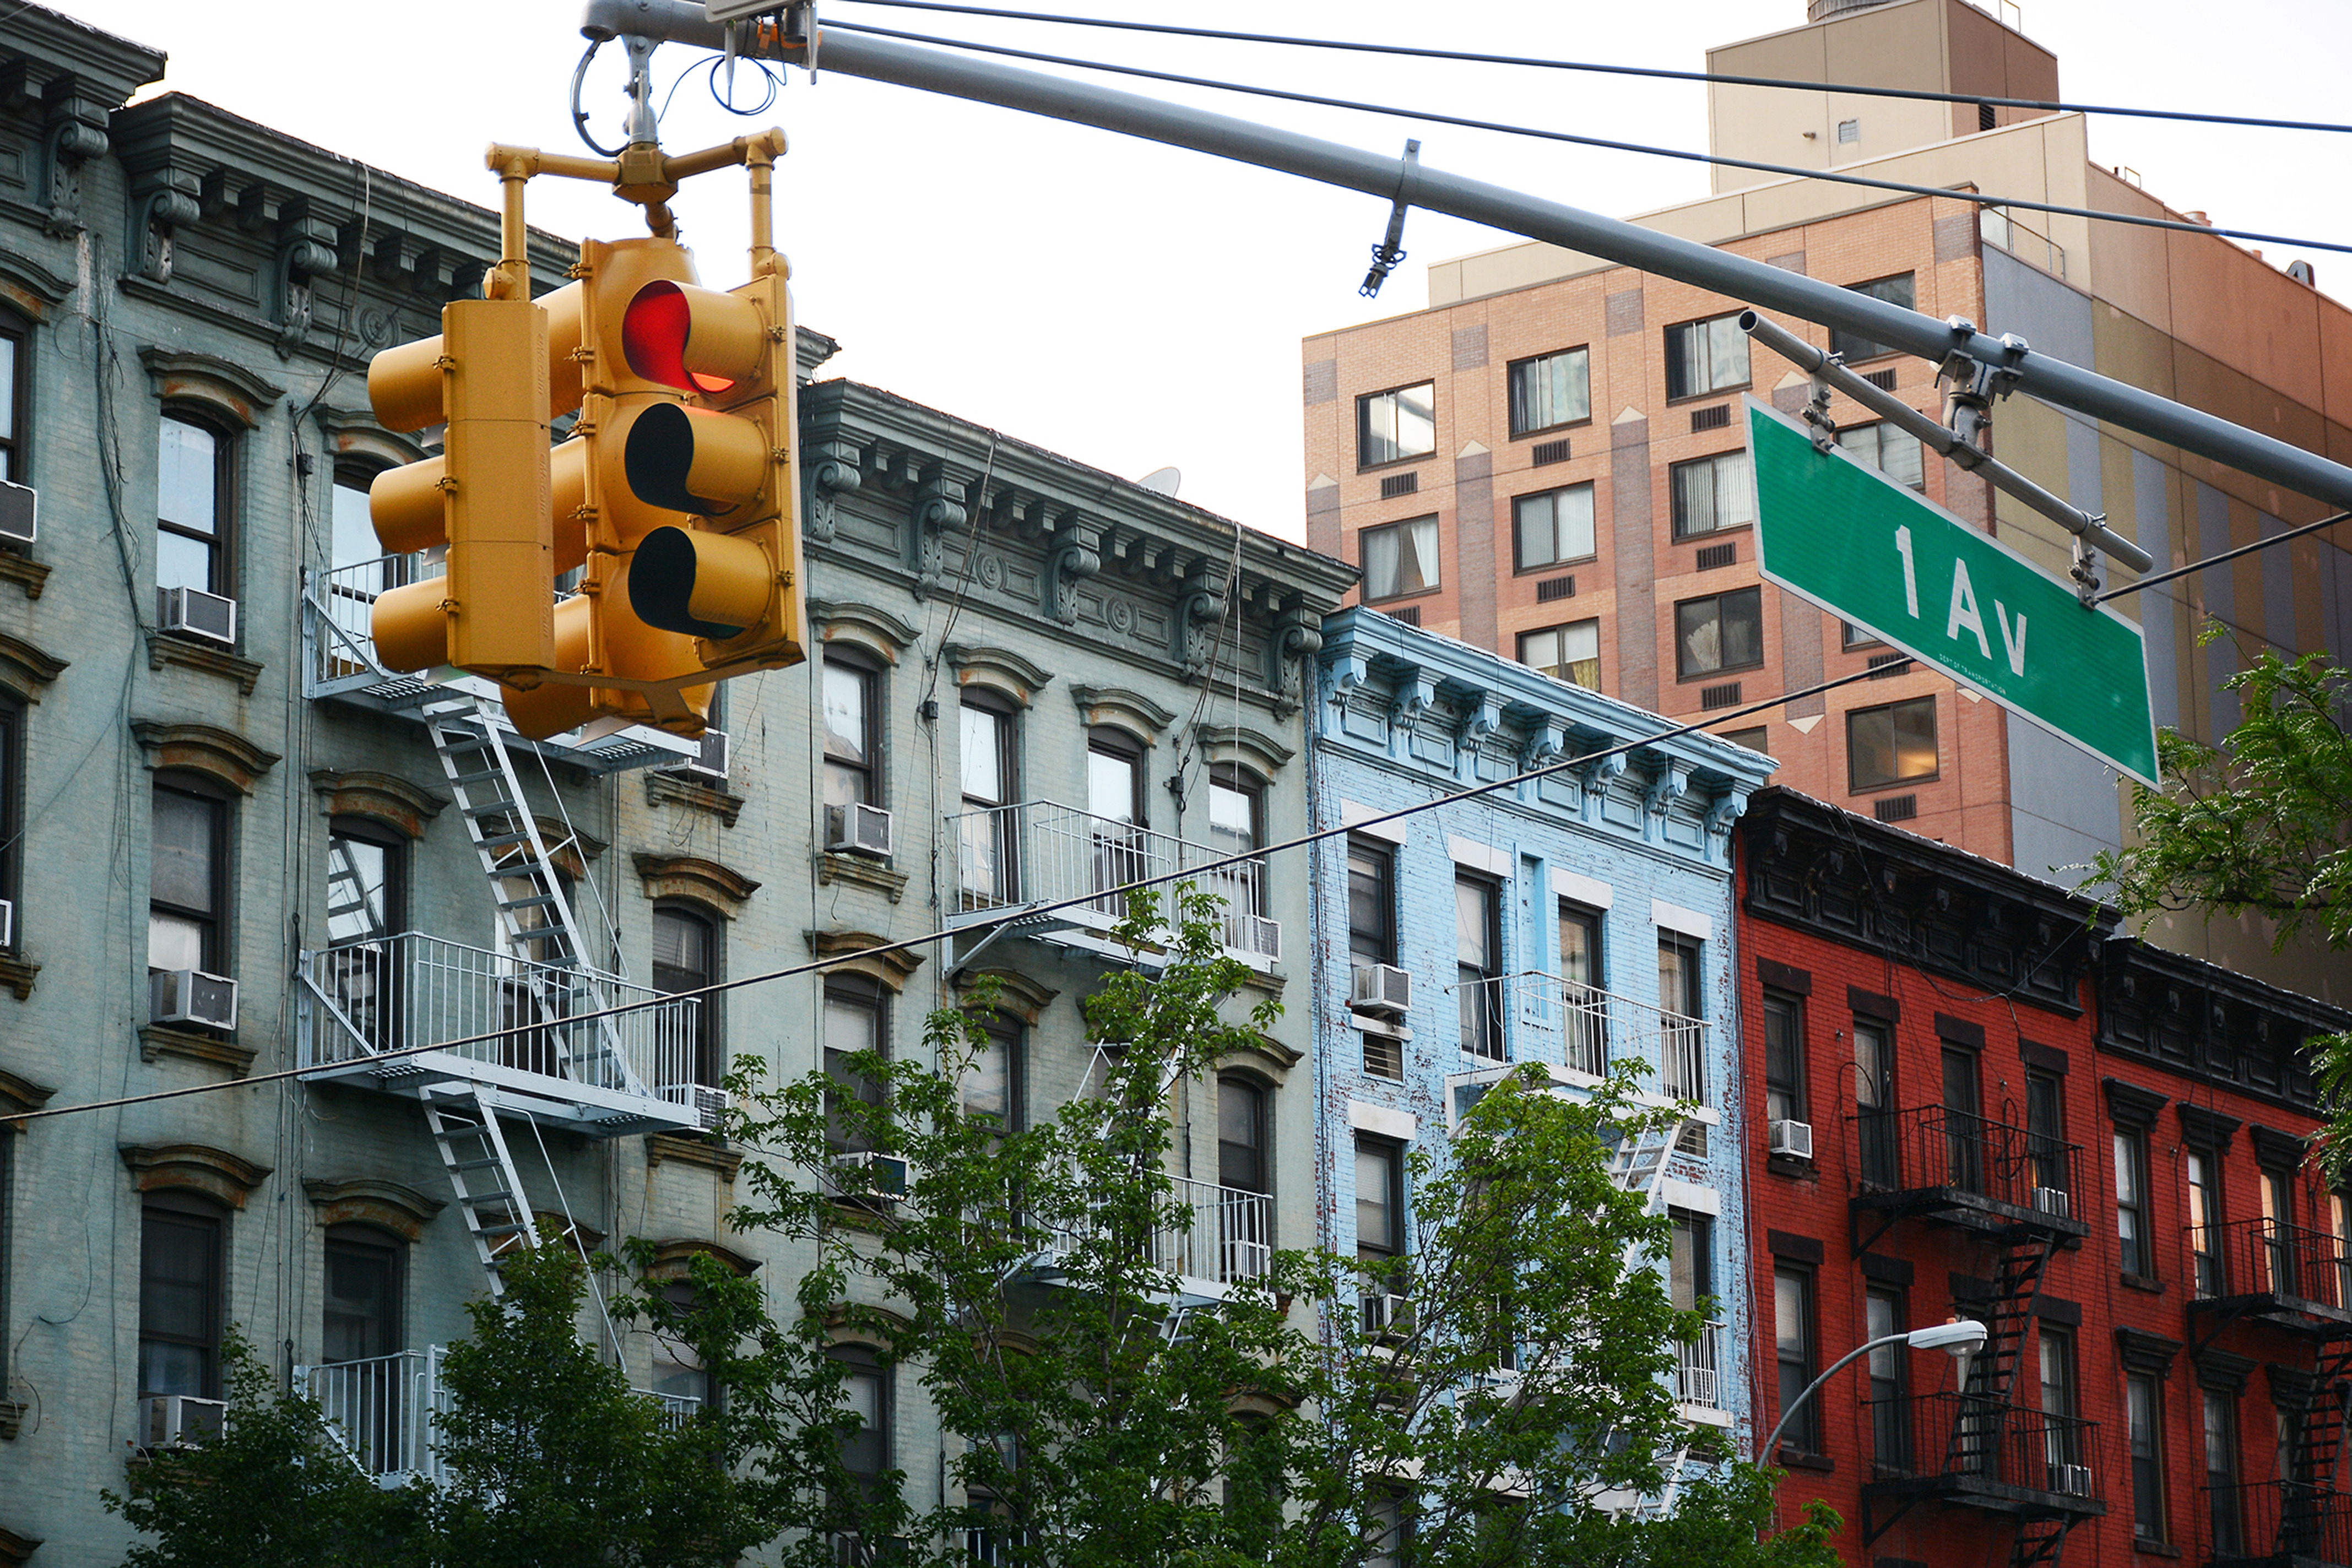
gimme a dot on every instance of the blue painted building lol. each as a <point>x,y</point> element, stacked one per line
<point>1576,921</point>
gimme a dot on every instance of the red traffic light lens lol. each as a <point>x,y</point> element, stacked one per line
<point>653,333</point>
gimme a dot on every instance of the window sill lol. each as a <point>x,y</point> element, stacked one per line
<point>17,974</point>
<point>1555,565</point>
<point>2155,1548</point>
<point>1711,392</point>
<point>1711,676</point>
<point>694,1149</point>
<point>30,576</point>
<point>1789,1459</point>
<point>1793,1166</point>
<point>1396,463</point>
<point>1403,598</point>
<point>1897,784</point>
<point>1732,531</point>
<point>1551,429</point>
<point>157,1040</point>
<point>2140,1282</point>
<point>688,791</point>
<point>863,870</point>
<point>164,648</point>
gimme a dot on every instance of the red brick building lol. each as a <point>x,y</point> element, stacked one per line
<point>1977,1099</point>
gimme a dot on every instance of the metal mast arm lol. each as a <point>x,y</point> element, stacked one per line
<point>1668,256</point>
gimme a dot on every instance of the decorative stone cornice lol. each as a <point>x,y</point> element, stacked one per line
<point>1255,749</point>
<point>850,623</point>
<point>1016,993</point>
<point>1265,1055</point>
<point>19,1094</point>
<point>705,881</point>
<point>220,384</point>
<point>203,748</point>
<point>157,1040</point>
<point>2129,1105</point>
<point>17,974</point>
<point>15,1550</point>
<point>571,849</point>
<point>206,657</point>
<point>1122,709</point>
<point>25,668</point>
<point>674,1259</point>
<point>861,871</point>
<point>31,288</point>
<point>891,969</point>
<point>2208,1129</point>
<point>217,1173</point>
<point>388,1205</point>
<point>693,1149</point>
<point>997,669</point>
<point>380,797</point>
<point>353,432</point>
<point>29,576</point>
<point>680,789</point>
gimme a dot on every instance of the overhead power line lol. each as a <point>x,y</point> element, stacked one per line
<point>1024,913</point>
<point>1410,51</point>
<point>2228,555</point>
<point>1608,144</point>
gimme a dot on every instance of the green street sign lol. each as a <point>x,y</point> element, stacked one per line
<point>1842,534</point>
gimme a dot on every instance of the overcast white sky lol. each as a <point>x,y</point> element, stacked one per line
<point>1132,306</point>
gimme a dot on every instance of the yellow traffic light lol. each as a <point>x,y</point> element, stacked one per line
<point>731,578</point>
<point>486,496</point>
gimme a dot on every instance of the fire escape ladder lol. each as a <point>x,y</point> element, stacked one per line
<point>534,917</point>
<point>1977,1436</point>
<point>1639,1161</point>
<point>464,1123</point>
<point>2318,1446</point>
<point>2040,1540</point>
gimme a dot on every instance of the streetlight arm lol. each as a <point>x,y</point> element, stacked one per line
<point>1772,1443</point>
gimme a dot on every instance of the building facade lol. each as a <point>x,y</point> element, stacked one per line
<point>1548,461</point>
<point>2164,1299</point>
<point>232,844</point>
<point>1577,921</point>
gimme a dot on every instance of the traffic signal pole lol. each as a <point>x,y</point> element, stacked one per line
<point>2009,364</point>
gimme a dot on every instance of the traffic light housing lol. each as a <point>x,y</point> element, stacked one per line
<point>487,497</point>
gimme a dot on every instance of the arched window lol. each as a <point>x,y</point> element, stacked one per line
<point>189,876</point>
<point>194,505</point>
<point>183,1255</point>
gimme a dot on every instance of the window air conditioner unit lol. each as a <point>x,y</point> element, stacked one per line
<point>886,1179</point>
<point>2052,1201</point>
<point>857,830</point>
<point>711,1106</point>
<point>179,1420</point>
<point>711,761</point>
<point>1380,988</point>
<point>7,923</point>
<point>20,506</point>
<point>1257,934</point>
<point>190,997</point>
<point>2071,1480</point>
<point>194,612</point>
<point>1794,1139</point>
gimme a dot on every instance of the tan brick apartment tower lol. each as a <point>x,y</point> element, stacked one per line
<point>1548,461</point>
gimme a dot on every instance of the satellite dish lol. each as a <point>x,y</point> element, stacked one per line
<point>1161,480</point>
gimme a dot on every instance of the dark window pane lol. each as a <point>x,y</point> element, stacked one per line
<point>1895,290</point>
<point>179,1302</point>
<point>1784,1096</point>
<point>363,1301</point>
<point>1891,745</point>
<point>1241,1135</point>
<point>1399,558</point>
<point>183,871</point>
<point>1377,1231</point>
<point>1368,902</point>
<point>1555,389</point>
<point>1393,425</point>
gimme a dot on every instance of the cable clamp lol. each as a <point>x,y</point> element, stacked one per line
<point>1386,255</point>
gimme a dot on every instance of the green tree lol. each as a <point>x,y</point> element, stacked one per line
<point>2260,824</point>
<point>275,1489</point>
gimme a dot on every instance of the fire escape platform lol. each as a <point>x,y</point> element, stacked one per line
<point>1986,1493</point>
<point>552,1102</point>
<point>1969,1210</point>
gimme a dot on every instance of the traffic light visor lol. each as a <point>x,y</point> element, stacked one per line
<point>695,339</point>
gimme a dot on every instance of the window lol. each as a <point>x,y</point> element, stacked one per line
<point>187,890</point>
<point>1963,1122</point>
<point>852,750</point>
<point>1682,1066</point>
<point>180,1267</point>
<point>1380,1199</point>
<point>1792,1345</point>
<point>1851,636</point>
<point>2045,1130</point>
<point>2133,1234</point>
<point>1570,652</point>
<point>1756,739</point>
<point>1237,827</point>
<point>853,1013</point>
<point>1690,1262</point>
<point>985,838</point>
<point>1392,426</point>
<point>1580,944</point>
<point>2339,1218</point>
<point>1242,1159</point>
<point>1891,745</point>
<point>1551,390</point>
<point>865,1394</point>
<point>1399,558</point>
<point>2221,1470</point>
<point>2144,1408</point>
<point>16,388</point>
<point>12,769</point>
<point>1371,902</point>
<point>1894,452</point>
<point>1784,1057</point>
<point>1721,632</point>
<point>1705,356</point>
<point>366,905</point>
<point>2062,1433</point>
<point>192,507</point>
<point>685,958</point>
<point>1477,943</point>
<point>2278,1216</point>
<point>1874,1103</point>
<point>1890,1426</point>
<point>1896,290</point>
<point>990,1085</point>
<point>1552,526</point>
<point>1710,494</point>
<point>679,1379</point>
<point>1387,1534</point>
<point>361,1314</point>
<point>2205,1220</point>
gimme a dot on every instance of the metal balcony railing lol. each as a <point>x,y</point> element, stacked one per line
<point>413,990</point>
<point>1699,1370</point>
<point>383,1410</point>
<point>2275,1521</point>
<point>1039,852</point>
<point>1931,1149</point>
<point>1972,1439</point>
<point>1595,1027</point>
<point>2259,1256</point>
<point>1217,1235</point>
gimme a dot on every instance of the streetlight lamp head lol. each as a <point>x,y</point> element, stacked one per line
<point>1962,1336</point>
